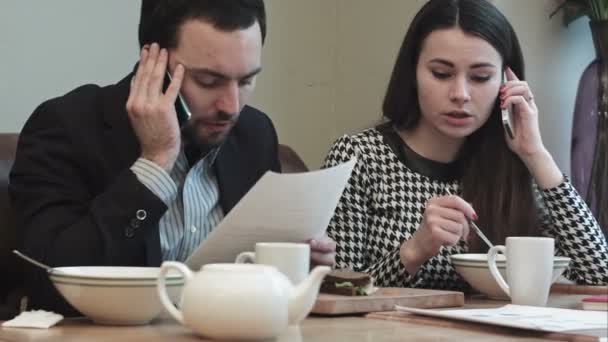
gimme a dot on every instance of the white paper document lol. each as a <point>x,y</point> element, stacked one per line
<point>526,317</point>
<point>279,208</point>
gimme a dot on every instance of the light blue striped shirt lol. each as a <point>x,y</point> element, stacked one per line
<point>192,196</point>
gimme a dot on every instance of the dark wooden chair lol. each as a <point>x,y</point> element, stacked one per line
<point>11,268</point>
<point>290,160</point>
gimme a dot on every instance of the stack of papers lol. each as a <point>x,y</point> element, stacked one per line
<point>291,207</point>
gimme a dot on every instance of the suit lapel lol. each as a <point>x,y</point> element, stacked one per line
<point>229,169</point>
<point>119,133</point>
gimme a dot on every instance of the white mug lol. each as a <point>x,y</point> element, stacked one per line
<point>293,259</point>
<point>529,269</point>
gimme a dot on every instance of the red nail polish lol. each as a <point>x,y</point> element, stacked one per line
<point>475,217</point>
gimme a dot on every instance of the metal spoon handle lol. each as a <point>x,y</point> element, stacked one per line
<point>32,261</point>
<point>480,233</point>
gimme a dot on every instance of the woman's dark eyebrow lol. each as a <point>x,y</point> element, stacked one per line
<point>442,61</point>
<point>483,65</point>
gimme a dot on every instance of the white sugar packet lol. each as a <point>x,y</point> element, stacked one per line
<point>34,319</point>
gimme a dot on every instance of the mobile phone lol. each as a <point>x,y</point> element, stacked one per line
<point>181,108</point>
<point>507,115</point>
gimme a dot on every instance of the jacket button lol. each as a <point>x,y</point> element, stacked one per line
<point>135,223</point>
<point>129,232</point>
<point>141,214</point>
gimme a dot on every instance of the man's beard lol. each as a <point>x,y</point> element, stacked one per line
<point>205,144</point>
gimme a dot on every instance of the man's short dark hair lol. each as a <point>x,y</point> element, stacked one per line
<point>160,19</point>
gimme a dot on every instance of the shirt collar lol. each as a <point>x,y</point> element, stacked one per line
<point>193,155</point>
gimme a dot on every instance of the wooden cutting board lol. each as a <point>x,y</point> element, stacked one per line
<point>385,299</point>
<point>579,289</point>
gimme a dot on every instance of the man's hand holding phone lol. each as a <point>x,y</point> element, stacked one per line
<point>152,112</point>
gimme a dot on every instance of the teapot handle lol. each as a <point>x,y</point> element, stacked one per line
<point>245,258</point>
<point>162,289</point>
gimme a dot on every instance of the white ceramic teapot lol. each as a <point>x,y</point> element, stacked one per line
<point>240,301</point>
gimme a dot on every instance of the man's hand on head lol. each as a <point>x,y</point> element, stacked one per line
<point>152,112</point>
<point>322,251</point>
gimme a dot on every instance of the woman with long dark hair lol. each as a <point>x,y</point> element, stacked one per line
<point>442,158</point>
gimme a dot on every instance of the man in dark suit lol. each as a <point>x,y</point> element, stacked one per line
<point>109,176</point>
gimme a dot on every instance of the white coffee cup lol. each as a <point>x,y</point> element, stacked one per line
<point>293,259</point>
<point>529,269</point>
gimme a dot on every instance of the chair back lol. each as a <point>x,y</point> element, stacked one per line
<point>290,160</point>
<point>11,268</point>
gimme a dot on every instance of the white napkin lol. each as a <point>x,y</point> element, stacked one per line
<point>34,319</point>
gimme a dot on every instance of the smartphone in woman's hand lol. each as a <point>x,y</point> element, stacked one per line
<point>507,115</point>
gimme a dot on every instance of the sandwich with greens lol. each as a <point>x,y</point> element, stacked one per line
<point>347,283</point>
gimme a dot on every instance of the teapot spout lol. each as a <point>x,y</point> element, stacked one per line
<point>305,294</point>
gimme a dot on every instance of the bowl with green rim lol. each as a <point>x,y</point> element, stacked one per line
<point>473,268</point>
<point>115,295</point>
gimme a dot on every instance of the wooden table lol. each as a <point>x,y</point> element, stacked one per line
<point>313,329</point>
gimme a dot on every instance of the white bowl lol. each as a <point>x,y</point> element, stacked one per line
<point>473,268</point>
<point>114,295</point>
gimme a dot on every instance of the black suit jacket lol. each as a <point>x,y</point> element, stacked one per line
<point>76,198</point>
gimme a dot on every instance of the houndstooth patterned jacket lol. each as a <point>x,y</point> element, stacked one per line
<point>383,203</point>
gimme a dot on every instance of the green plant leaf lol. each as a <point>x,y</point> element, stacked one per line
<point>575,9</point>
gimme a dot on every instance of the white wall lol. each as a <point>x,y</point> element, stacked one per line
<point>326,62</point>
<point>50,47</point>
<point>326,68</point>
<point>555,59</point>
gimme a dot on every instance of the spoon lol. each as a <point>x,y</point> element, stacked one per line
<point>35,262</point>
<point>477,230</point>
